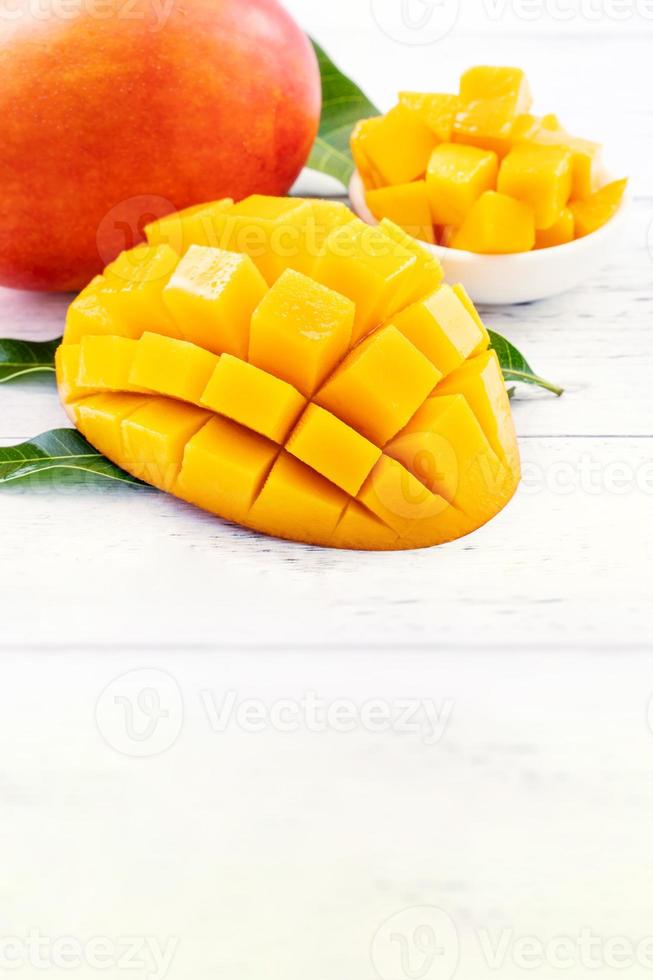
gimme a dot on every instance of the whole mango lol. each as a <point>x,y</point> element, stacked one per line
<point>117,112</point>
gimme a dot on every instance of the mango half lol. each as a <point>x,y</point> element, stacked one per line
<point>286,367</point>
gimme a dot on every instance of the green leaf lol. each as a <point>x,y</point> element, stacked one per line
<point>515,367</point>
<point>59,458</point>
<point>343,104</point>
<point>26,358</point>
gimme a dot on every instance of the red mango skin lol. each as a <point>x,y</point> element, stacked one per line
<point>130,109</point>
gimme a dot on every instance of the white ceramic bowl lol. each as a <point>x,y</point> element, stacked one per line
<point>522,277</point>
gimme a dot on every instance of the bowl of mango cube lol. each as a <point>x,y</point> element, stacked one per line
<point>514,206</point>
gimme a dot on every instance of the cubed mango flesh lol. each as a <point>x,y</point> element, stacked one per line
<point>495,224</point>
<point>436,110</point>
<point>456,178</point>
<point>197,225</point>
<point>300,330</point>
<point>399,147</point>
<point>539,176</point>
<point>405,204</point>
<point>211,297</point>
<point>561,232</point>
<point>496,82</point>
<point>442,328</point>
<point>353,407</point>
<point>597,209</point>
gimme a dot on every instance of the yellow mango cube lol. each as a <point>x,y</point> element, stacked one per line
<point>559,233</point>
<point>66,360</point>
<point>427,273</point>
<point>172,367</point>
<point>496,224</point>
<point>99,419</point>
<point>253,398</point>
<point>466,300</point>
<point>373,270</point>
<point>224,468</point>
<point>360,529</point>
<point>134,285</point>
<point>481,381</point>
<point>90,313</point>
<point>300,331</point>
<point>436,110</point>
<point>596,210</point>
<point>322,217</point>
<point>297,500</point>
<point>154,437</point>
<point>405,204</point>
<point>358,143</point>
<point>445,447</point>
<point>268,229</point>
<point>457,176</point>
<point>539,176</point>
<point>405,505</point>
<point>487,124</point>
<point>441,328</point>
<point>192,226</point>
<point>105,363</point>
<point>399,147</point>
<point>333,449</point>
<point>494,82</point>
<point>379,385</point>
<point>212,296</point>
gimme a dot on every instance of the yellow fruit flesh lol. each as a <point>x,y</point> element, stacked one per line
<point>542,166</point>
<point>496,224</point>
<point>314,434</point>
<point>596,210</point>
<point>457,176</point>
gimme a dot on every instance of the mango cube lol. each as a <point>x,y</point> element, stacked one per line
<point>171,367</point>
<point>493,82</point>
<point>224,468</point>
<point>427,273</point>
<point>405,204</point>
<point>134,287</point>
<point>373,270</point>
<point>441,328</point>
<point>481,382</point>
<point>436,110</point>
<point>399,147</point>
<point>539,176</point>
<point>487,124</point>
<point>457,176</point>
<point>212,296</point>
<point>596,210</point>
<point>496,224</point>
<point>360,529</point>
<point>253,398</point>
<point>379,385</point>
<point>322,217</point>
<point>298,501</point>
<point>197,225</point>
<point>559,233</point>
<point>333,449</point>
<point>106,362</point>
<point>358,143</point>
<point>89,312</point>
<point>99,419</point>
<point>67,359</point>
<point>445,447</point>
<point>154,437</point>
<point>268,229</point>
<point>466,300</point>
<point>300,330</point>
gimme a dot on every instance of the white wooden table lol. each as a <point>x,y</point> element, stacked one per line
<point>520,807</point>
